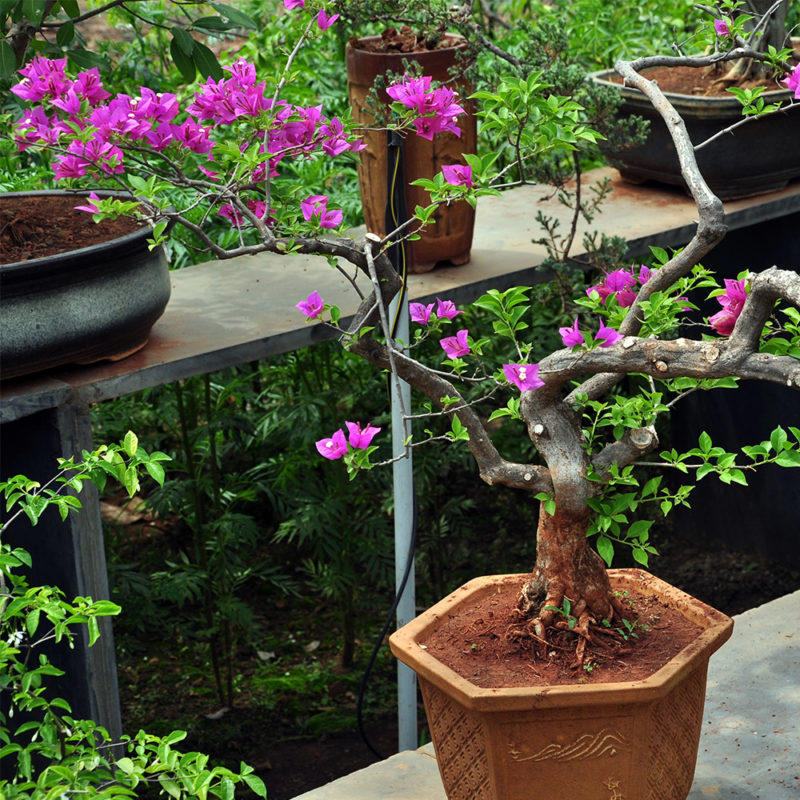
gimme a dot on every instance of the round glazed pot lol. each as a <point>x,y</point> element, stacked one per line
<point>760,156</point>
<point>575,742</point>
<point>449,238</point>
<point>93,303</point>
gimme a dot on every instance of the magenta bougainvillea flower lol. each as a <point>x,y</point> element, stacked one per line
<point>524,376</point>
<point>722,28</point>
<point>148,120</point>
<point>614,282</point>
<point>437,108</point>
<point>43,77</point>
<point>312,306</point>
<point>571,336</point>
<point>456,346</point>
<point>317,206</point>
<point>607,336</point>
<point>90,206</point>
<point>732,302</point>
<point>625,297</point>
<point>258,207</point>
<point>458,175</point>
<point>333,447</point>
<point>290,5</point>
<point>446,309</point>
<point>324,21</point>
<point>793,81</point>
<point>361,437</point>
<point>420,313</point>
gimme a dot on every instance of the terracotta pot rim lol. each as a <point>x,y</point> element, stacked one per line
<point>717,630</point>
<point>716,103</point>
<point>133,238</point>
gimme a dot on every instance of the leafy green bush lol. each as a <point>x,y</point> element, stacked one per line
<point>47,752</point>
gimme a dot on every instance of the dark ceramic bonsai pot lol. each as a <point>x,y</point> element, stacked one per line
<point>85,305</point>
<point>759,156</point>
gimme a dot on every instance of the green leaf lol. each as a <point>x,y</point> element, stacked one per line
<point>156,472</point>
<point>235,15</point>
<point>606,549</point>
<point>778,439</point>
<point>788,458</point>
<point>640,529</point>
<point>737,476</point>
<point>71,8</point>
<point>206,62</point>
<point>183,40</point>
<point>212,24</point>
<point>170,787</point>
<point>126,765</point>
<point>705,442</point>
<point>183,62</point>
<point>8,62</point>
<point>130,443</point>
<point>94,630</point>
<point>255,784</point>
<point>33,11</point>
<point>86,59</point>
<point>65,34</point>
<point>32,621</point>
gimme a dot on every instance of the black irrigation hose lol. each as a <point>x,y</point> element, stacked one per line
<point>395,212</point>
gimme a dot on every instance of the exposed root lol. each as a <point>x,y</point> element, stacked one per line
<point>590,640</point>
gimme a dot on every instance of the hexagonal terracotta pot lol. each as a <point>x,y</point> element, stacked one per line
<point>634,740</point>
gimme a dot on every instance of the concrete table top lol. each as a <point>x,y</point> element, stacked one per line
<point>223,313</point>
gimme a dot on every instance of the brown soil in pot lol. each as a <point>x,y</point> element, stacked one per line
<point>699,81</point>
<point>403,41</point>
<point>475,645</point>
<point>46,225</point>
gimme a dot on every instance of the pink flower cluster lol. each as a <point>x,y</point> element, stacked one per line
<point>445,309</point>
<point>315,207</point>
<point>323,20</point>
<point>151,120</point>
<point>524,376</point>
<point>335,446</point>
<point>458,175</point>
<point>793,81</point>
<point>722,27</point>
<point>620,283</point>
<point>732,302</point>
<point>572,336</point>
<point>454,346</point>
<point>437,109</point>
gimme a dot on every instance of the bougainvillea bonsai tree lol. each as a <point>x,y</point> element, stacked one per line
<point>222,152</point>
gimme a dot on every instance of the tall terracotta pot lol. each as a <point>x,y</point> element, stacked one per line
<point>449,238</point>
<point>635,739</point>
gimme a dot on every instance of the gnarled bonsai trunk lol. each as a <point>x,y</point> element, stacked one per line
<point>566,567</point>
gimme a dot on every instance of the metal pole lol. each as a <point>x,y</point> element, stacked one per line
<point>402,469</point>
<point>402,473</point>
